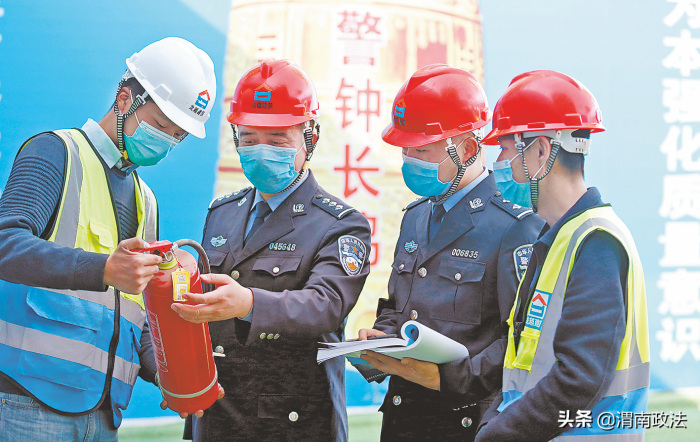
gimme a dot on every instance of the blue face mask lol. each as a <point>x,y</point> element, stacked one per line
<point>422,177</point>
<point>517,193</point>
<point>148,145</point>
<point>269,168</point>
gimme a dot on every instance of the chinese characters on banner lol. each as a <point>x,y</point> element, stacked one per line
<point>680,206</point>
<point>358,55</point>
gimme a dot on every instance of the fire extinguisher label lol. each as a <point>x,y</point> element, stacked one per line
<point>158,349</point>
<point>181,284</point>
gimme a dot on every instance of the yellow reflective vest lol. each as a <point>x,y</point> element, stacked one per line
<point>63,345</point>
<point>534,356</point>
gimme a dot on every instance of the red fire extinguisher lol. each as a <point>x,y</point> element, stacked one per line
<point>186,371</point>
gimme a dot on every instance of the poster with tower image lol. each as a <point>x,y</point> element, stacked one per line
<point>358,55</point>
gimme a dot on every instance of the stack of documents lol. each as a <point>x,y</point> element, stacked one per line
<point>417,341</point>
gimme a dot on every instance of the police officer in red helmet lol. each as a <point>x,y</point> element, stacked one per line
<point>457,262</point>
<point>289,261</point>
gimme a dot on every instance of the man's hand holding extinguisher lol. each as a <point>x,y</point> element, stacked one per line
<point>128,271</point>
<point>229,300</point>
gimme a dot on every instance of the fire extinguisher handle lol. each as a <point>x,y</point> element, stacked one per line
<point>160,247</point>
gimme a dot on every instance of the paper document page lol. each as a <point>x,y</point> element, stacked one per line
<point>417,341</point>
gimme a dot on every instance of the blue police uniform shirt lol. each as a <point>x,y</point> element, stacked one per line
<point>274,202</point>
<point>456,197</point>
<point>461,193</point>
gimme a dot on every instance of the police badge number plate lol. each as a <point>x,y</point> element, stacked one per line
<point>352,252</point>
<point>521,257</point>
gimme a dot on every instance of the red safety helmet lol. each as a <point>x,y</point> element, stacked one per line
<point>277,93</point>
<point>436,103</point>
<point>544,100</point>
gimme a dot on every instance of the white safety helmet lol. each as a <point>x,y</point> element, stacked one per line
<point>180,79</point>
<point>571,140</point>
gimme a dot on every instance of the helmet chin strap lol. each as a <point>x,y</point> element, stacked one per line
<point>137,102</point>
<point>534,182</point>
<point>461,168</point>
<point>309,127</point>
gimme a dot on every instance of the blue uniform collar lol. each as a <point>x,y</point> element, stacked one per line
<point>461,193</point>
<point>105,147</point>
<point>587,201</point>
<point>277,199</point>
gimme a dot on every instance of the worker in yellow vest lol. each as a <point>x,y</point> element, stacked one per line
<point>577,359</point>
<point>71,310</point>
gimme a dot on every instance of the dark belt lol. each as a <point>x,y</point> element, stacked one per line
<point>10,386</point>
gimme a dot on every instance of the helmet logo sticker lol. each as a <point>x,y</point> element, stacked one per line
<point>262,97</point>
<point>201,103</point>
<point>352,253</point>
<point>399,111</point>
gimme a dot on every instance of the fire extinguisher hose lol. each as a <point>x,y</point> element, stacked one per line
<point>202,255</point>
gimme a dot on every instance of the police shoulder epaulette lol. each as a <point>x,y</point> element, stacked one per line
<point>513,209</point>
<point>336,208</point>
<point>216,202</point>
<point>415,203</point>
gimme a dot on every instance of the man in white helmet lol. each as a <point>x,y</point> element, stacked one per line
<point>71,310</point>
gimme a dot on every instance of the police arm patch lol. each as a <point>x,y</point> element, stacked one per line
<point>352,253</point>
<point>521,257</point>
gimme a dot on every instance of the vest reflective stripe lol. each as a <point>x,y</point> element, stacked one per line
<point>36,341</point>
<point>130,311</point>
<point>147,208</point>
<point>64,232</point>
<point>535,356</point>
<point>629,379</point>
<point>625,380</point>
